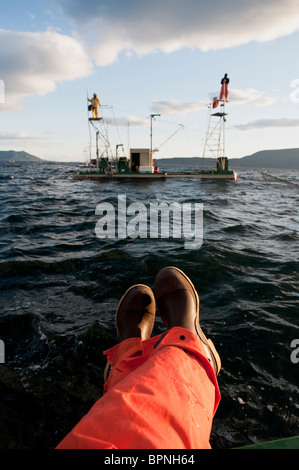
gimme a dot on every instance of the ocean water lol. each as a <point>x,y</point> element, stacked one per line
<point>60,286</point>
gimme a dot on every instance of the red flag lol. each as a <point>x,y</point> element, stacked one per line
<point>215,102</point>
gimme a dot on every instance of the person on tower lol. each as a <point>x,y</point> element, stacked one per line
<point>95,103</point>
<point>224,87</point>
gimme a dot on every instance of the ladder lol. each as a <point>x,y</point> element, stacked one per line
<point>214,146</point>
<point>103,147</point>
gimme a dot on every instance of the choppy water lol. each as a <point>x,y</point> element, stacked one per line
<point>60,285</point>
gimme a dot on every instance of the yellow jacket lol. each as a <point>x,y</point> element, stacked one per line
<point>95,101</point>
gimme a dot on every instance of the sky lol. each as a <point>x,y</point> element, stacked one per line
<point>142,57</point>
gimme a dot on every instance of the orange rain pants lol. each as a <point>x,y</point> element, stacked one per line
<point>162,393</point>
<point>224,91</point>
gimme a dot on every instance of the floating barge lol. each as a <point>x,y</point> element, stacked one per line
<point>155,177</point>
<point>97,176</point>
<point>136,169</point>
<point>141,166</point>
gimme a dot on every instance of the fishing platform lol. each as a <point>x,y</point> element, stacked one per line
<point>140,164</point>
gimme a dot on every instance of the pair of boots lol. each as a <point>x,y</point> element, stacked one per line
<point>177,303</point>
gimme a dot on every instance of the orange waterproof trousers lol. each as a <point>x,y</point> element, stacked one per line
<point>224,91</point>
<point>162,393</point>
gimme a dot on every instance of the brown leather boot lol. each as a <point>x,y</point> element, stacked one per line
<point>135,316</point>
<point>178,305</point>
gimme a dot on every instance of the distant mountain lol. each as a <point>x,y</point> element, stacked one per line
<point>11,155</point>
<point>281,159</point>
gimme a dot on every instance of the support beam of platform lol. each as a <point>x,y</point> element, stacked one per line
<point>154,176</point>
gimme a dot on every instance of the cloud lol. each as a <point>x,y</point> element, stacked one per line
<point>33,63</point>
<point>133,121</point>
<point>243,96</point>
<point>7,136</point>
<point>266,101</point>
<point>269,124</point>
<point>236,97</point>
<point>142,27</point>
<point>177,107</point>
<point>250,95</point>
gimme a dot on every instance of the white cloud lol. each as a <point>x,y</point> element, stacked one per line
<point>250,95</point>
<point>32,63</point>
<point>266,101</point>
<point>170,25</point>
<point>7,136</point>
<point>269,124</point>
<point>236,97</point>
<point>242,96</point>
<point>177,107</point>
<point>133,121</point>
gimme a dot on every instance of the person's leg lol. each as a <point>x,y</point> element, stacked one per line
<point>168,402</point>
<point>134,319</point>
<point>167,394</point>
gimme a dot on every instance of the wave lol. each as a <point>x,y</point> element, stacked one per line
<point>60,287</point>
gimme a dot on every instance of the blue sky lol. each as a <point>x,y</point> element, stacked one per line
<point>141,57</point>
